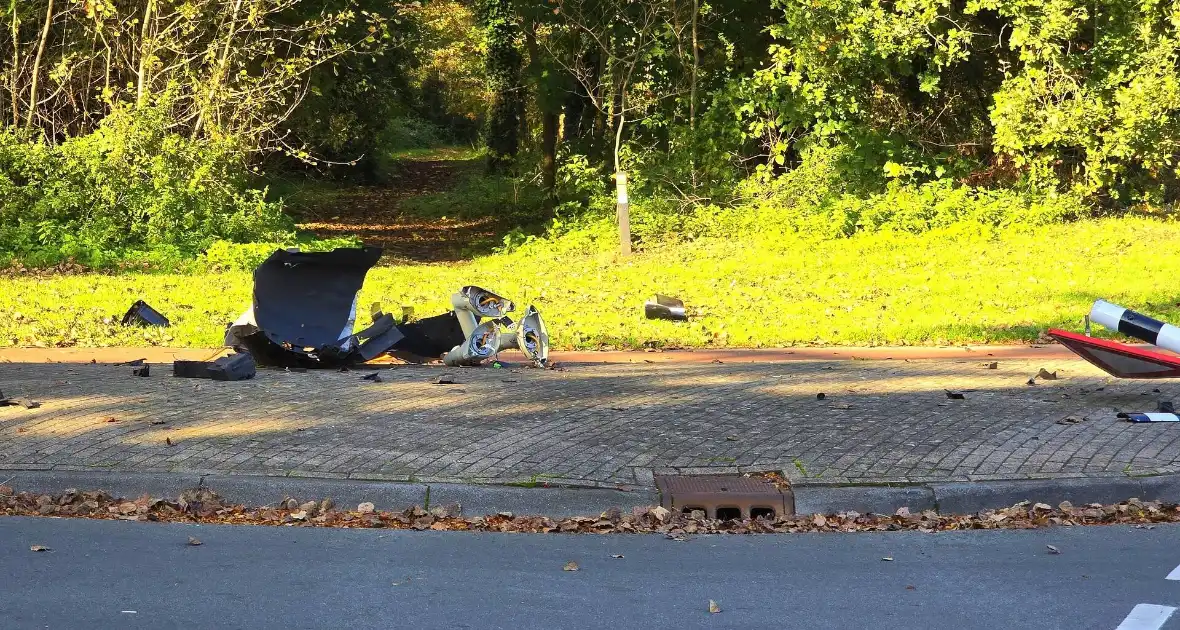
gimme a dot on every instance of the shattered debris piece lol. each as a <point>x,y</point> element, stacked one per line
<point>445,379</point>
<point>665,307</point>
<point>991,366</point>
<point>141,314</point>
<point>1046,375</point>
<point>1166,406</point>
<point>143,371</point>
<point>954,395</point>
<point>18,402</point>
<point>304,309</point>
<point>235,367</point>
<point>1031,382</point>
<point>1071,420</point>
<point>132,363</point>
<point>821,396</point>
<point>375,377</point>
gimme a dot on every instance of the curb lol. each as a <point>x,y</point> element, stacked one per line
<point>558,502</point>
<point>974,496</point>
<point>255,490</point>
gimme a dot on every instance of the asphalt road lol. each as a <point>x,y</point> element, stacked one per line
<point>106,574</point>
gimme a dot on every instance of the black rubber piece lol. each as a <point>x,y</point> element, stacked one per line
<point>143,315</point>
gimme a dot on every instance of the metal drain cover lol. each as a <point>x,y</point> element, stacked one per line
<point>748,496</point>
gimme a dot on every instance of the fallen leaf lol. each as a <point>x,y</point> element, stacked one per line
<point>570,566</point>
<point>1031,381</point>
<point>1071,420</point>
<point>909,587</point>
<point>713,607</point>
<point>111,419</point>
<point>158,422</point>
<point>193,541</point>
<point>1046,375</point>
<point>168,441</point>
<point>841,406</point>
<point>39,548</point>
<point>1053,550</point>
<point>375,377</point>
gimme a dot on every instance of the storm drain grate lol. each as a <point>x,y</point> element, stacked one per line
<point>725,496</point>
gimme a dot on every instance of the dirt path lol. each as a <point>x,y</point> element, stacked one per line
<point>374,213</point>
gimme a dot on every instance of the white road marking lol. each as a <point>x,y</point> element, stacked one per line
<point>1174,575</point>
<point>1146,617</point>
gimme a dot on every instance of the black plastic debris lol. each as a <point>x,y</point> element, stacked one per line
<point>664,307</point>
<point>375,377</point>
<point>143,315</point>
<point>304,309</point>
<point>132,363</point>
<point>143,371</point>
<point>1166,406</point>
<point>954,395</point>
<point>236,367</point>
<point>18,402</point>
<point>431,337</point>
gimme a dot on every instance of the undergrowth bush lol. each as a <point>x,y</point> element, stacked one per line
<point>131,186</point>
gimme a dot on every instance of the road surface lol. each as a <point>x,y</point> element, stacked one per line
<point>108,574</point>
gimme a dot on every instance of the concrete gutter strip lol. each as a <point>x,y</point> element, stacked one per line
<point>947,498</point>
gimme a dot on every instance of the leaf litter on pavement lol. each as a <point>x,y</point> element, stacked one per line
<point>202,505</point>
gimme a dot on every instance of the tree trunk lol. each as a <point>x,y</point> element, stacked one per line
<point>144,54</point>
<point>504,69</point>
<point>15,89</point>
<point>37,67</point>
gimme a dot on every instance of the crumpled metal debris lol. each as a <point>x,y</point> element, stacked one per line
<point>304,309</point>
<point>143,315</point>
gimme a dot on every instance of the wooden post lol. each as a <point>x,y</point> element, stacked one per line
<point>624,214</point>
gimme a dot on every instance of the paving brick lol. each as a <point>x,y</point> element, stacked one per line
<point>898,425</point>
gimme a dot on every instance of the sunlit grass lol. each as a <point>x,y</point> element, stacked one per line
<point>944,287</point>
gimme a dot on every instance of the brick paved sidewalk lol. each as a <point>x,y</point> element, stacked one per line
<point>597,425</point>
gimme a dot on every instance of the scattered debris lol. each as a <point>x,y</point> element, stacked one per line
<point>157,421</point>
<point>616,556</point>
<point>111,419</point>
<point>143,371</point>
<point>193,541</point>
<point>954,395</point>
<point>713,607</point>
<point>570,566</point>
<point>141,314</point>
<point>445,379</point>
<point>909,587</point>
<point>887,559</point>
<point>39,548</point>
<point>375,377</point>
<point>665,307</point>
<point>131,363</point>
<point>168,441</point>
<point>1166,406</point>
<point>991,366</point>
<point>235,367</point>
<point>1053,550</point>
<point>1031,381</point>
<point>1072,419</point>
<point>841,406</point>
<point>1046,375</point>
<point>821,396</point>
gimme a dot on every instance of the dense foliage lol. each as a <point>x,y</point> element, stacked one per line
<point>820,116</point>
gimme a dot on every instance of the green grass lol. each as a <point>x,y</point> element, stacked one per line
<point>950,286</point>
